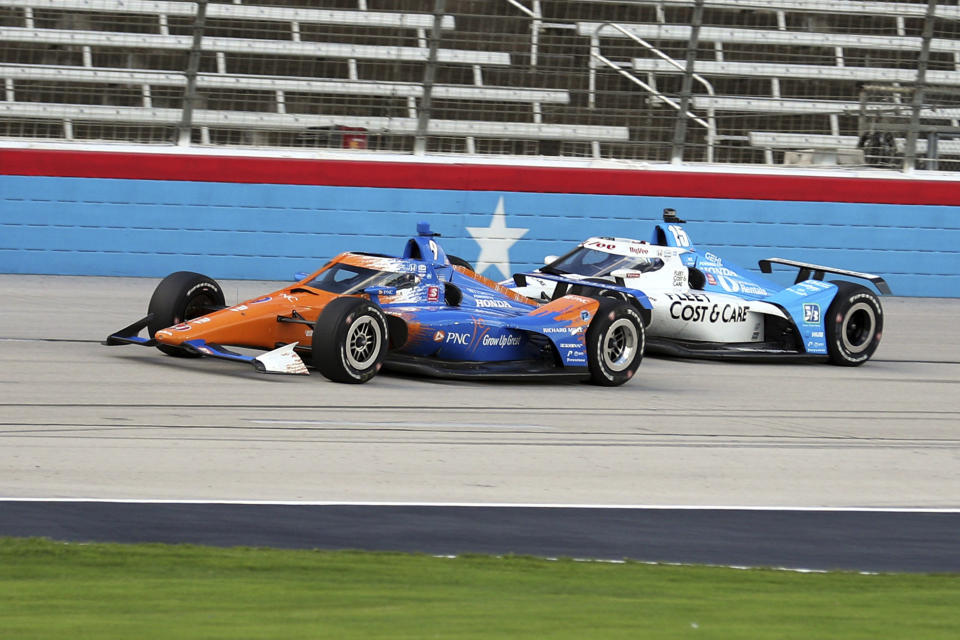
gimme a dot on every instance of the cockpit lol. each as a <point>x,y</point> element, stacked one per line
<point>592,263</point>
<point>346,279</point>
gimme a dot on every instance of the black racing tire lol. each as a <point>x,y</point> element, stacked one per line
<point>615,343</point>
<point>605,293</point>
<point>854,324</point>
<point>180,297</point>
<point>696,279</point>
<point>350,340</point>
<point>460,262</point>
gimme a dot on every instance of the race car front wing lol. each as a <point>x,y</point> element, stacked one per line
<point>281,360</point>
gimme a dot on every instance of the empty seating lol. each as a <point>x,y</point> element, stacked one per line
<point>280,83</point>
<point>240,11</point>
<point>855,7</point>
<point>803,106</point>
<point>261,101</point>
<point>811,71</point>
<point>774,140</point>
<point>574,75</point>
<point>299,122</point>
<point>248,46</point>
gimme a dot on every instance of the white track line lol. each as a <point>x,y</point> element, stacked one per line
<point>635,507</point>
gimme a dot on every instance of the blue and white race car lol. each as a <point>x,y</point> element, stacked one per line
<point>707,307</point>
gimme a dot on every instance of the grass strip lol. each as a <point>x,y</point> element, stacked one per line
<point>106,591</point>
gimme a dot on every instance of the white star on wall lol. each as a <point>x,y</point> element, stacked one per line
<point>495,242</point>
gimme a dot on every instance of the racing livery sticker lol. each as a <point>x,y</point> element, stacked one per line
<point>505,340</point>
<point>457,338</point>
<point>679,235</point>
<point>730,280</point>
<point>492,303</point>
<point>708,313</point>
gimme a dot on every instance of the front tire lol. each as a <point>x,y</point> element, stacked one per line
<point>459,262</point>
<point>350,340</point>
<point>180,297</point>
<point>854,324</point>
<point>605,293</point>
<point>615,343</point>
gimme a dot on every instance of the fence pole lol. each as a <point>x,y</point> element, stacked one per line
<point>680,128</point>
<point>429,74</point>
<point>910,152</point>
<point>193,67</point>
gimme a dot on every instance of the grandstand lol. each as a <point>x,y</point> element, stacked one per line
<point>768,82</point>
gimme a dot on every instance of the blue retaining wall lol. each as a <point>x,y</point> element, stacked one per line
<point>86,226</point>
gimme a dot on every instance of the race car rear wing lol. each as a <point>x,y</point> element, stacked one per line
<point>816,272</point>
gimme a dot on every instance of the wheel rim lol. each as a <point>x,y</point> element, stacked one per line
<point>858,327</point>
<point>363,342</point>
<point>197,306</point>
<point>620,345</point>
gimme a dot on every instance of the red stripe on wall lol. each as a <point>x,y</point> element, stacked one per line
<point>475,177</point>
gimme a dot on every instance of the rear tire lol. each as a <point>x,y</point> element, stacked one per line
<point>854,325</point>
<point>350,340</point>
<point>615,343</point>
<point>180,297</point>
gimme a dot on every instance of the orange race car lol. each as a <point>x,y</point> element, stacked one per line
<point>416,313</point>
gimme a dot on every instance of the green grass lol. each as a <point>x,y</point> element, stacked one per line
<point>60,590</point>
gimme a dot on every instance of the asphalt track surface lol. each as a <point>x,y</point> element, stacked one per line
<point>791,465</point>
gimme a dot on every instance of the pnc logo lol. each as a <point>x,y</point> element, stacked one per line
<point>439,336</point>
